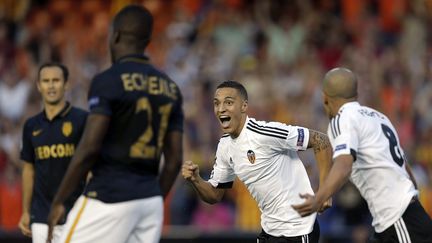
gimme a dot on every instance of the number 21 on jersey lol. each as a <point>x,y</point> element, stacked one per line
<point>142,149</point>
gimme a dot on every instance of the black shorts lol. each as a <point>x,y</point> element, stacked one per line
<point>415,226</point>
<point>312,237</point>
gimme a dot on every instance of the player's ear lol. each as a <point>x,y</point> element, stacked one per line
<point>112,35</point>
<point>38,85</point>
<point>244,106</point>
<point>66,84</point>
<point>115,37</point>
<point>325,98</point>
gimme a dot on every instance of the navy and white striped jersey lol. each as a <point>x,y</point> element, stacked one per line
<point>264,157</point>
<point>379,169</point>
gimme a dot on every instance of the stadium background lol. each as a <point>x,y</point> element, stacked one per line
<point>278,49</point>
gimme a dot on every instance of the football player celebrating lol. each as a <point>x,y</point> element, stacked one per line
<point>366,150</point>
<point>264,157</point>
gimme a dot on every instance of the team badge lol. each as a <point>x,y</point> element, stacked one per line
<point>251,156</point>
<point>67,129</point>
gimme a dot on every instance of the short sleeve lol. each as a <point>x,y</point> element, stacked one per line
<point>223,174</point>
<point>298,138</point>
<point>27,150</point>
<point>177,117</point>
<point>101,95</point>
<point>344,134</point>
<point>283,137</point>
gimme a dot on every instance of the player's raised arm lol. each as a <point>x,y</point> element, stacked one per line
<point>82,161</point>
<point>206,191</point>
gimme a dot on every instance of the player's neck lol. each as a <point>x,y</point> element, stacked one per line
<point>52,110</point>
<point>126,52</point>
<point>340,102</point>
<point>240,127</point>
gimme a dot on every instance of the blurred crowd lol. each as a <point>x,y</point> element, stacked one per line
<point>278,49</point>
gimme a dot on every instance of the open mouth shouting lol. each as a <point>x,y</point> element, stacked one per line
<point>225,121</point>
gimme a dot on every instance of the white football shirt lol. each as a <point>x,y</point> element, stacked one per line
<point>264,157</point>
<point>378,170</point>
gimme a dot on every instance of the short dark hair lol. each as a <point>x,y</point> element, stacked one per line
<point>235,85</point>
<point>135,21</point>
<point>55,64</point>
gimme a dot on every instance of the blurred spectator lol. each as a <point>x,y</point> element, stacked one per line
<point>248,215</point>
<point>213,218</point>
<point>14,93</point>
<point>10,199</point>
<point>6,45</point>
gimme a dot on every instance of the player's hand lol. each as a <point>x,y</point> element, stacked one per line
<point>190,171</point>
<point>24,224</point>
<point>57,212</point>
<point>309,206</point>
<point>327,204</point>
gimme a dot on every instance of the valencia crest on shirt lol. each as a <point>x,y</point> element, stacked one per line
<point>251,156</point>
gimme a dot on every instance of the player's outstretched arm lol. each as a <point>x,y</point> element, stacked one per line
<point>83,159</point>
<point>321,146</point>
<point>173,153</point>
<point>337,177</point>
<point>27,193</point>
<point>205,190</point>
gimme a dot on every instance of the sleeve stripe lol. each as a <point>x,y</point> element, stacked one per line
<point>332,128</point>
<point>337,124</point>
<point>275,130</point>
<point>225,185</point>
<point>267,133</point>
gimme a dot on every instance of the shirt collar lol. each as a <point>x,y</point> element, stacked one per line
<point>134,58</point>
<point>61,114</point>
<point>348,104</point>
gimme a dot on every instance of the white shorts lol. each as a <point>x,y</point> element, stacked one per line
<point>40,233</point>
<point>93,221</point>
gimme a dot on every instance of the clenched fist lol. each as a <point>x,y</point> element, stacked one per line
<point>190,171</point>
